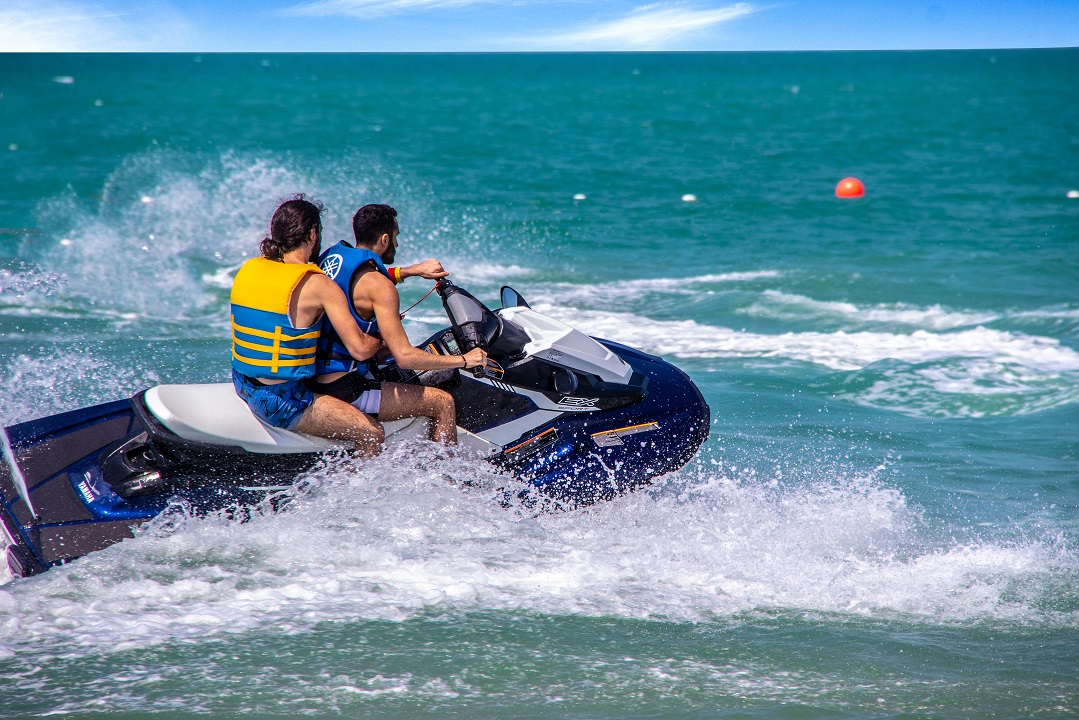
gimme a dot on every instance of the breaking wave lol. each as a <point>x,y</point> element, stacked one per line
<point>786,306</point>
<point>973,372</point>
<point>411,532</point>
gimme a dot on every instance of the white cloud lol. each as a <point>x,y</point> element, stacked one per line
<point>647,27</point>
<point>65,26</point>
<point>369,8</point>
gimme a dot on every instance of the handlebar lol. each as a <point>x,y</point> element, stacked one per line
<point>473,324</point>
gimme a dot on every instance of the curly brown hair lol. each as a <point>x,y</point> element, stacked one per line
<point>291,226</point>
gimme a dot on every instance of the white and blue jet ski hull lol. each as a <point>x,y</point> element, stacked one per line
<point>80,481</point>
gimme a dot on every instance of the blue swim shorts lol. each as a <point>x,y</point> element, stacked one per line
<point>279,405</point>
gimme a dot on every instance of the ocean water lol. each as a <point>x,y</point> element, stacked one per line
<point>883,523</point>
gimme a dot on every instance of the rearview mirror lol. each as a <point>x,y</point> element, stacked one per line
<point>512,298</point>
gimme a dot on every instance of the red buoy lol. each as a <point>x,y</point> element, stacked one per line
<point>849,188</point>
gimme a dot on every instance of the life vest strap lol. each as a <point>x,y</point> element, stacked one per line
<point>272,363</point>
<point>275,351</point>
<point>275,335</point>
<point>276,348</point>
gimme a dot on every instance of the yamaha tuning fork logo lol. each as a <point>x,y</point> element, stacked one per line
<point>332,265</point>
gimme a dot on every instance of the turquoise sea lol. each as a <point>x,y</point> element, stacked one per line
<point>884,522</point>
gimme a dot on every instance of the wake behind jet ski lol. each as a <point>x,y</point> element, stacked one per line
<point>577,418</point>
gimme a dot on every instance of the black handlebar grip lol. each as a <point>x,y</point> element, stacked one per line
<point>473,339</point>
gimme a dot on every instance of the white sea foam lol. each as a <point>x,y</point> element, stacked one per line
<point>745,276</point>
<point>627,292</point>
<point>679,285</point>
<point>34,293</point>
<point>31,292</point>
<point>396,538</point>
<point>151,256</point>
<point>630,294</point>
<point>221,277</point>
<point>967,387</point>
<point>966,373</point>
<point>780,305</point>
<point>837,350</point>
<point>1049,313</point>
<point>170,231</point>
<point>787,306</point>
<point>17,284</point>
<point>32,387</point>
<point>468,270</point>
<point>461,271</point>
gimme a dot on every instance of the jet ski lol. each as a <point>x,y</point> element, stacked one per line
<point>577,418</point>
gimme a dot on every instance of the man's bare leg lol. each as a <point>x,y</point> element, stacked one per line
<point>402,401</point>
<point>331,418</point>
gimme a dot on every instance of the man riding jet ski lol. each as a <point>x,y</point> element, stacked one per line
<point>573,417</point>
<point>360,271</point>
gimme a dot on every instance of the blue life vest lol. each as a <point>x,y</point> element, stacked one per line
<point>340,264</point>
<point>264,342</point>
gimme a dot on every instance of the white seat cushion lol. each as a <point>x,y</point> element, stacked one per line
<point>215,414</point>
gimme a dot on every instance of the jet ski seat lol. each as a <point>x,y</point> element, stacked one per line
<point>216,415</point>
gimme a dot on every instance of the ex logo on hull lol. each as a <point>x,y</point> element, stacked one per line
<point>578,402</point>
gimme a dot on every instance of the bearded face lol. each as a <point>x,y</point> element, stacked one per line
<point>391,249</point>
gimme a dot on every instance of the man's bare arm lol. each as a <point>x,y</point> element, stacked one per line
<point>387,306</point>
<point>430,269</point>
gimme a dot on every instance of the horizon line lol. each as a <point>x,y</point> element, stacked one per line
<point>535,52</point>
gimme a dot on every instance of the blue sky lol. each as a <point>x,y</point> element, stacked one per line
<point>531,25</point>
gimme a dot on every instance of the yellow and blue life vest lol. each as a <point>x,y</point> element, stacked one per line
<point>340,264</point>
<point>264,342</point>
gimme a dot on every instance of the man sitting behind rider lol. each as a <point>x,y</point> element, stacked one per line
<point>361,272</point>
<point>279,301</point>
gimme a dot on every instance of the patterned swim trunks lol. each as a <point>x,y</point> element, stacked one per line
<point>280,405</point>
